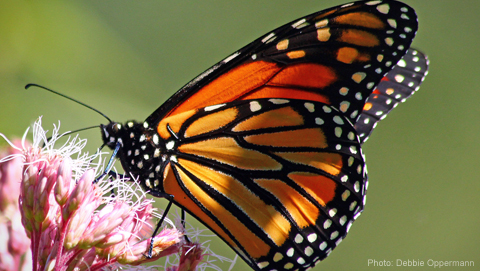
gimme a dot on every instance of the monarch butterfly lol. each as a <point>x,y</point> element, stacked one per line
<point>264,148</point>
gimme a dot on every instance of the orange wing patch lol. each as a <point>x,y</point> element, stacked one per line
<point>271,221</point>
<point>175,122</point>
<point>251,81</point>
<point>231,85</point>
<point>211,122</point>
<point>227,151</point>
<point>323,34</point>
<point>304,212</point>
<point>173,188</point>
<point>363,19</point>
<point>328,162</point>
<point>321,188</point>
<point>307,75</point>
<point>359,37</point>
<point>296,54</point>
<point>309,137</point>
<point>367,106</point>
<point>281,117</point>
<point>348,55</point>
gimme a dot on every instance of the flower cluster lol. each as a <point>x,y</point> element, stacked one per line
<point>74,222</point>
<point>14,243</point>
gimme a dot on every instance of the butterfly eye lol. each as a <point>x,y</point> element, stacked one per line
<point>117,127</point>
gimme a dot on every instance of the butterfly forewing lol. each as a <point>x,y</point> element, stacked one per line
<point>279,180</point>
<point>336,56</point>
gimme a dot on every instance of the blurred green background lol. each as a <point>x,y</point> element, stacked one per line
<point>127,57</point>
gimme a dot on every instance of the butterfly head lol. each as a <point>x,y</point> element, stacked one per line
<point>141,151</point>
<point>111,133</point>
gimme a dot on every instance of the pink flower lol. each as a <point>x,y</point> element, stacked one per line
<point>190,257</point>
<point>14,243</point>
<point>73,223</point>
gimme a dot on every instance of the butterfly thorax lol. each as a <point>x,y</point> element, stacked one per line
<point>142,152</point>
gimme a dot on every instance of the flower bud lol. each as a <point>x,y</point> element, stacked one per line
<point>63,184</point>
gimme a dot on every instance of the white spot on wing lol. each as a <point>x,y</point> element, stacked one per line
<point>213,107</point>
<point>310,107</point>
<point>155,139</point>
<point>226,60</point>
<point>278,101</point>
<point>323,246</point>
<point>332,212</point>
<point>255,106</point>
<point>399,78</point>
<point>338,132</point>
<point>358,96</point>
<point>277,257</point>
<point>385,8</point>
<point>298,23</point>
<point>392,23</point>
<point>262,265</point>
<point>327,224</point>
<point>338,120</point>
<point>372,3</point>
<point>170,145</point>
<point>268,38</point>
<point>298,239</point>
<point>290,252</point>
<point>347,5</point>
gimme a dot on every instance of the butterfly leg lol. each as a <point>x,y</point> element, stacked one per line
<point>183,225</point>
<point>170,201</point>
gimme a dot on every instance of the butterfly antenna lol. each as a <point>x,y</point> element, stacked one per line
<point>71,99</point>
<point>76,131</point>
<point>72,132</point>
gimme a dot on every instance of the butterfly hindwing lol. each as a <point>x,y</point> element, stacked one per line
<point>286,175</point>
<point>397,86</point>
